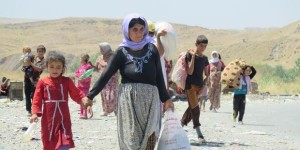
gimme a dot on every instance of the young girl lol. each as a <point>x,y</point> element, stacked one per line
<point>239,98</point>
<point>51,103</point>
<point>83,84</point>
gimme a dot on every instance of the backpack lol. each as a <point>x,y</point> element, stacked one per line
<point>179,73</point>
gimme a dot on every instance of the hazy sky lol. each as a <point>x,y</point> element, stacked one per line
<point>213,14</point>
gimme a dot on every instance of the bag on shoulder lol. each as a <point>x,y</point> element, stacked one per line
<point>179,73</point>
<point>172,135</point>
<point>232,73</point>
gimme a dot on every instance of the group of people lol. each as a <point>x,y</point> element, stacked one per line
<point>138,100</point>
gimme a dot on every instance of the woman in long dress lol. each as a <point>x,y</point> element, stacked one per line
<point>110,91</point>
<point>142,86</point>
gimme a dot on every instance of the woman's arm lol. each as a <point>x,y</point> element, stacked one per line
<point>111,68</point>
<point>159,45</point>
<point>163,93</point>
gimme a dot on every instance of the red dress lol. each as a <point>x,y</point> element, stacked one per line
<point>51,102</point>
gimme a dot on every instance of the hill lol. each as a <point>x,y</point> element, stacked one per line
<point>4,20</point>
<point>74,35</point>
<point>274,46</point>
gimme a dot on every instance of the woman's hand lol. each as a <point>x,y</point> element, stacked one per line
<point>161,33</point>
<point>33,118</point>
<point>168,104</point>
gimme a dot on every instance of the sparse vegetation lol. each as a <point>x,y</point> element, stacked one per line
<point>73,35</point>
<point>279,80</point>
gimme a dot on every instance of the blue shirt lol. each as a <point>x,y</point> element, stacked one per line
<point>243,90</point>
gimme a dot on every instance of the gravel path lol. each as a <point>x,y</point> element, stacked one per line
<point>269,123</point>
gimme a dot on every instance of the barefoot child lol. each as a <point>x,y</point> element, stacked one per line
<point>83,84</point>
<point>51,103</point>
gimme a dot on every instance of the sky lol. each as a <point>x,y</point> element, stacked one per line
<point>212,14</point>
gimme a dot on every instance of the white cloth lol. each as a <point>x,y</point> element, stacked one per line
<point>214,60</point>
<point>163,69</point>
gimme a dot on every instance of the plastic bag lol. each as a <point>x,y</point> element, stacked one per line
<point>172,136</point>
<point>29,132</point>
<point>179,73</point>
<point>169,40</point>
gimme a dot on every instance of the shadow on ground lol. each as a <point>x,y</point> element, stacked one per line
<point>216,144</point>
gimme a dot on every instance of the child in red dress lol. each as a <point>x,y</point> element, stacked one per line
<point>51,103</point>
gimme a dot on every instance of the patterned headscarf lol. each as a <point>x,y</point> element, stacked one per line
<point>125,29</point>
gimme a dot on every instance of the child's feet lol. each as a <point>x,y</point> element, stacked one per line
<point>201,139</point>
<point>241,122</point>
<point>29,114</point>
<point>214,110</point>
<point>83,117</point>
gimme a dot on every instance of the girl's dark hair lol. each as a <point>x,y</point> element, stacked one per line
<point>85,57</point>
<point>135,21</point>
<point>245,67</point>
<point>56,56</point>
<point>201,39</point>
<point>220,56</point>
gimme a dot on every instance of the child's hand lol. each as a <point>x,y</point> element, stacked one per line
<point>192,52</point>
<point>90,111</point>
<point>86,102</point>
<point>33,118</point>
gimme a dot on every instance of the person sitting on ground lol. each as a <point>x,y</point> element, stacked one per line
<point>4,87</point>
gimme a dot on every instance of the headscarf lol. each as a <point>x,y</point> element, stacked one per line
<point>214,60</point>
<point>106,49</point>
<point>125,29</point>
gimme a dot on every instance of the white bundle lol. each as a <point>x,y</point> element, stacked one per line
<point>169,40</point>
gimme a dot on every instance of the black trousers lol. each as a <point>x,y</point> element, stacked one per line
<point>29,89</point>
<point>239,104</point>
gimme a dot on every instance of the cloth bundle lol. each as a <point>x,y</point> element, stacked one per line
<point>232,73</point>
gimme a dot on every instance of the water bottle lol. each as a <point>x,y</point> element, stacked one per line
<point>29,132</point>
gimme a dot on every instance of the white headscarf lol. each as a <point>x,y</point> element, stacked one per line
<point>216,59</point>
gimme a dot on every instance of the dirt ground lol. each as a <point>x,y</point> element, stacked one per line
<point>269,123</point>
